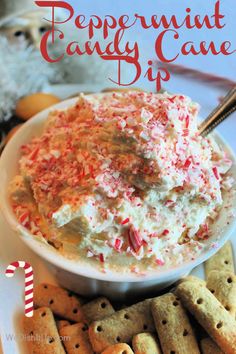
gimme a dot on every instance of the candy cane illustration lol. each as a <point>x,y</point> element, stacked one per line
<point>29,283</point>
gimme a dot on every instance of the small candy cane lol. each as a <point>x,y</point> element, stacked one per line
<point>29,283</point>
<point>198,75</point>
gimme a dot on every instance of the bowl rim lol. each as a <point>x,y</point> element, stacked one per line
<point>47,252</point>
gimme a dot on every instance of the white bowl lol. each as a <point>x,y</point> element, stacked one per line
<point>83,278</point>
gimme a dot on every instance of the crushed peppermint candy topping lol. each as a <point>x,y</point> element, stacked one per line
<point>125,221</point>
<point>135,239</point>
<point>126,173</point>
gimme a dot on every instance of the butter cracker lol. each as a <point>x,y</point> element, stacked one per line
<point>41,333</point>
<point>209,347</point>
<point>223,286</point>
<point>76,339</point>
<point>210,313</point>
<point>173,327</point>
<point>146,343</point>
<point>122,326</point>
<point>62,302</point>
<point>222,261</point>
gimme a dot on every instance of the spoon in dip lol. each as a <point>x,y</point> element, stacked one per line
<point>220,113</point>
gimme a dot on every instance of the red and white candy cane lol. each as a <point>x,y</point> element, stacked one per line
<point>198,75</point>
<point>29,283</point>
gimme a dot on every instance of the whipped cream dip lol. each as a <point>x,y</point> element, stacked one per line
<point>123,180</point>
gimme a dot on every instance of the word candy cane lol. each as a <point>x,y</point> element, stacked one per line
<point>29,283</point>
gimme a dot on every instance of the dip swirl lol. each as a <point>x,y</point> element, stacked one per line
<point>122,180</point>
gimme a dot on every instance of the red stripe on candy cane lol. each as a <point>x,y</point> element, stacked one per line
<point>29,301</point>
<point>28,294</point>
<point>29,311</point>
<point>29,275</point>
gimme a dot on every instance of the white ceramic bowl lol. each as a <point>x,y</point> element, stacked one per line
<point>81,277</point>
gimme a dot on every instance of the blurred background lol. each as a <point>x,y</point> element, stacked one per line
<point>29,84</point>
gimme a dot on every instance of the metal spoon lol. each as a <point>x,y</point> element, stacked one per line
<point>220,113</point>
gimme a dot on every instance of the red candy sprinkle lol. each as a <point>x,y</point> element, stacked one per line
<point>135,239</point>
<point>216,173</point>
<point>101,258</point>
<point>24,218</point>
<point>187,121</point>
<point>34,154</point>
<point>187,163</point>
<point>118,244</point>
<point>169,203</point>
<point>125,221</point>
<point>165,232</point>
<point>160,262</point>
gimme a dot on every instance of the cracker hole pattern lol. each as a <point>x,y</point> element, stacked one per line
<point>212,291</point>
<point>164,322</point>
<point>51,340</point>
<point>145,327</point>
<point>126,316</point>
<point>226,262</point>
<point>118,339</point>
<point>99,328</point>
<point>175,303</point>
<point>229,280</point>
<point>227,308</point>
<point>85,328</point>
<point>77,345</point>
<point>199,301</point>
<point>75,311</point>
<point>124,352</point>
<point>103,305</point>
<point>51,302</point>
<point>45,286</point>
<point>219,325</point>
<point>172,352</point>
<point>43,314</point>
<point>185,333</point>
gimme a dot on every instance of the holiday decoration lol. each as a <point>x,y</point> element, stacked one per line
<point>23,70</point>
<point>29,284</point>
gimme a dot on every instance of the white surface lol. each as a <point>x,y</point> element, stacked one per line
<point>11,300</point>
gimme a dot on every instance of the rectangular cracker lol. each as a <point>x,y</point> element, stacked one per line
<point>191,278</point>
<point>121,348</point>
<point>121,326</point>
<point>97,310</point>
<point>76,339</point>
<point>210,313</point>
<point>209,347</point>
<point>222,261</point>
<point>62,302</point>
<point>223,286</point>
<point>62,323</point>
<point>42,334</point>
<point>146,343</point>
<point>173,327</point>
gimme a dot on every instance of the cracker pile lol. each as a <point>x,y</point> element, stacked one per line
<point>195,317</point>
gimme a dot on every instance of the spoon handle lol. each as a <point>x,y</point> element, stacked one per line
<point>220,113</point>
